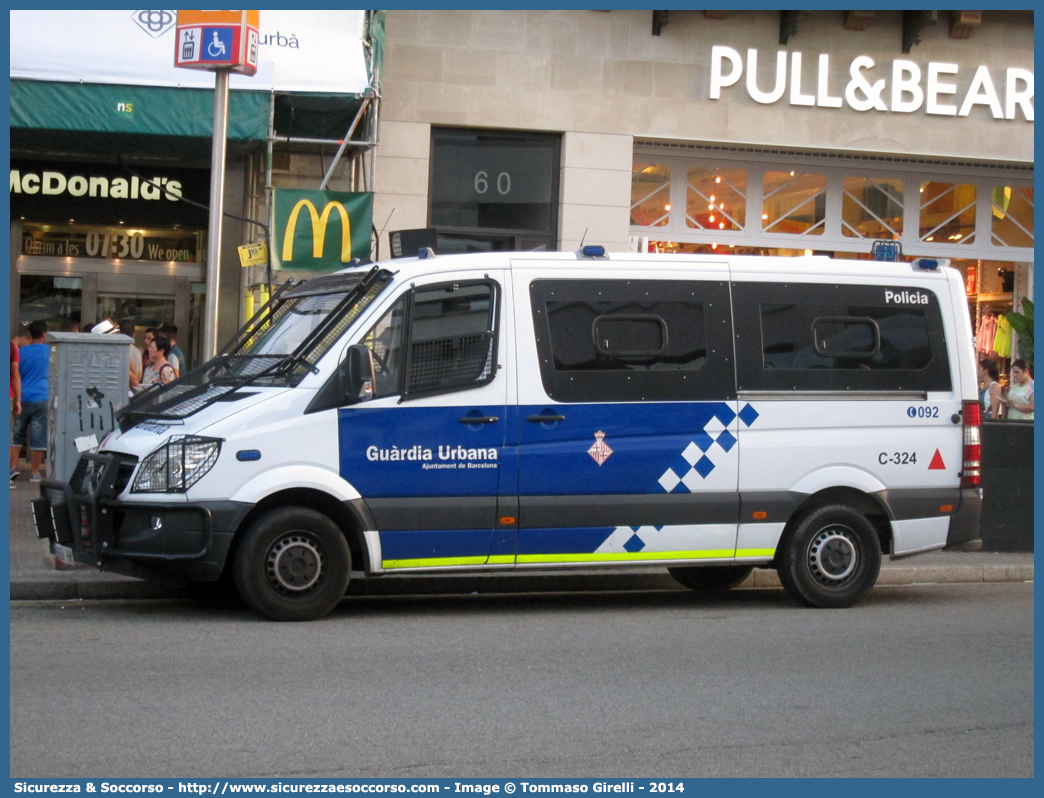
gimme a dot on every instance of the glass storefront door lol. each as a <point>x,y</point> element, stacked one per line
<point>145,311</point>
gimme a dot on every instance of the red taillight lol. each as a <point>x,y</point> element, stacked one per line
<point>971,471</point>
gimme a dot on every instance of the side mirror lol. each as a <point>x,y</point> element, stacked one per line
<point>356,375</point>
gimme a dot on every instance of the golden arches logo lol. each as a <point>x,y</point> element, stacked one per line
<point>318,230</point>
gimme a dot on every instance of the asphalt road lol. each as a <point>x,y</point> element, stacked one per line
<point>921,680</point>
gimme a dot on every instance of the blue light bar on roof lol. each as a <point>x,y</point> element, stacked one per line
<point>930,263</point>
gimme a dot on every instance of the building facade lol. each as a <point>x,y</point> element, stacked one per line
<point>711,131</point>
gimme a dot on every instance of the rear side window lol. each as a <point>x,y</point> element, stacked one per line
<point>829,337</point>
<point>632,340</point>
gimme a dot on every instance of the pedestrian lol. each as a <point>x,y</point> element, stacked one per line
<point>990,392</point>
<point>176,357</point>
<point>150,333</point>
<point>31,423</point>
<point>159,371</point>
<point>21,336</point>
<point>134,377</point>
<point>16,399</point>
<point>1019,400</point>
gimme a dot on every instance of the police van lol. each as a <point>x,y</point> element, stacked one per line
<point>710,414</point>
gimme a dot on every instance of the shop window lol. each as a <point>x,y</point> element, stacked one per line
<point>872,207</point>
<point>794,203</point>
<point>650,194</point>
<point>1011,223</point>
<point>55,300</point>
<point>632,340</point>
<point>716,199</point>
<point>494,186</point>
<point>947,213</point>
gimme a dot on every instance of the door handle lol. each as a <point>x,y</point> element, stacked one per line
<point>478,420</point>
<point>544,419</point>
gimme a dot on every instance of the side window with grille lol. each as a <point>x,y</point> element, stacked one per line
<point>451,338</point>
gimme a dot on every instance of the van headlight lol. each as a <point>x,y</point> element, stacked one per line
<point>177,465</point>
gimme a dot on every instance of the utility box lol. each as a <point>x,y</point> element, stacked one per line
<point>89,380</point>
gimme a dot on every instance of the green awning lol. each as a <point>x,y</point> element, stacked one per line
<point>143,110</point>
<point>311,115</point>
<point>156,123</point>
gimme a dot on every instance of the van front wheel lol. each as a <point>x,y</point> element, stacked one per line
<point>293,564</point>
<point>831,558</point>
<point>711,578</point>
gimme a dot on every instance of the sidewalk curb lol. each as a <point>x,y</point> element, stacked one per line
<point>67,587</point>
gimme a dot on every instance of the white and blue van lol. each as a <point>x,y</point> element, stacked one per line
<point>710,414</point>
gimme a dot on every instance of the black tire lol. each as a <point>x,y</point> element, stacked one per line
<point>830,558</point>
<point>292,564</point>
<point>711,578</point>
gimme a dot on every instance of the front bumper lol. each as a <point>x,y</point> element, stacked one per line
<point>172,542</point>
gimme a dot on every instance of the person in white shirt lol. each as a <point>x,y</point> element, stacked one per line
<point>134,378</point>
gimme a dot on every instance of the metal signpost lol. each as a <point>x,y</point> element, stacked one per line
<point>222,42</point>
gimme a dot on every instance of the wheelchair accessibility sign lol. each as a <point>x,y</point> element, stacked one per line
<point>206,44</point>
<point>217,40</point>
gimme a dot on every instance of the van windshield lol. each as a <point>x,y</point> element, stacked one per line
<point>301,318</point>
<point>277,347</point>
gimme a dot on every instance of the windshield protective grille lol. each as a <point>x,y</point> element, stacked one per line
<point>335,331</point>
<point>278,347</point>
<point>207,384</point>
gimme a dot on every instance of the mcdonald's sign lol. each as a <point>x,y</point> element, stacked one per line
<point>321,230</point>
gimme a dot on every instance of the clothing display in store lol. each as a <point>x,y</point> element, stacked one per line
<point>1002,337</point>
<point>995,337</point>
<point>987,332</point>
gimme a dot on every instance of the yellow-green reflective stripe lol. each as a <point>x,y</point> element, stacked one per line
<point>755,552</point>
<point>627,556</point>
<point>433,562</point>
<point>508,559</point>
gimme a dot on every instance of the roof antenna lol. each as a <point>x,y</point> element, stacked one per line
<point>584,238</point>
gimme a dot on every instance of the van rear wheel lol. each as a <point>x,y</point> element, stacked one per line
<point>831,558</point>
<point>293,564</point>
<point>711,578</point>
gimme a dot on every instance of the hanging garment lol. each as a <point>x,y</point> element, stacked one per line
<point>987,331</point>
<point>1002,339</point>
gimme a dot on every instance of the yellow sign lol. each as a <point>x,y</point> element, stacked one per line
<point>318,230</point>
<point>253,255</point>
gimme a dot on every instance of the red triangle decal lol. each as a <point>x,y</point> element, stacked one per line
<point>937,463</point>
